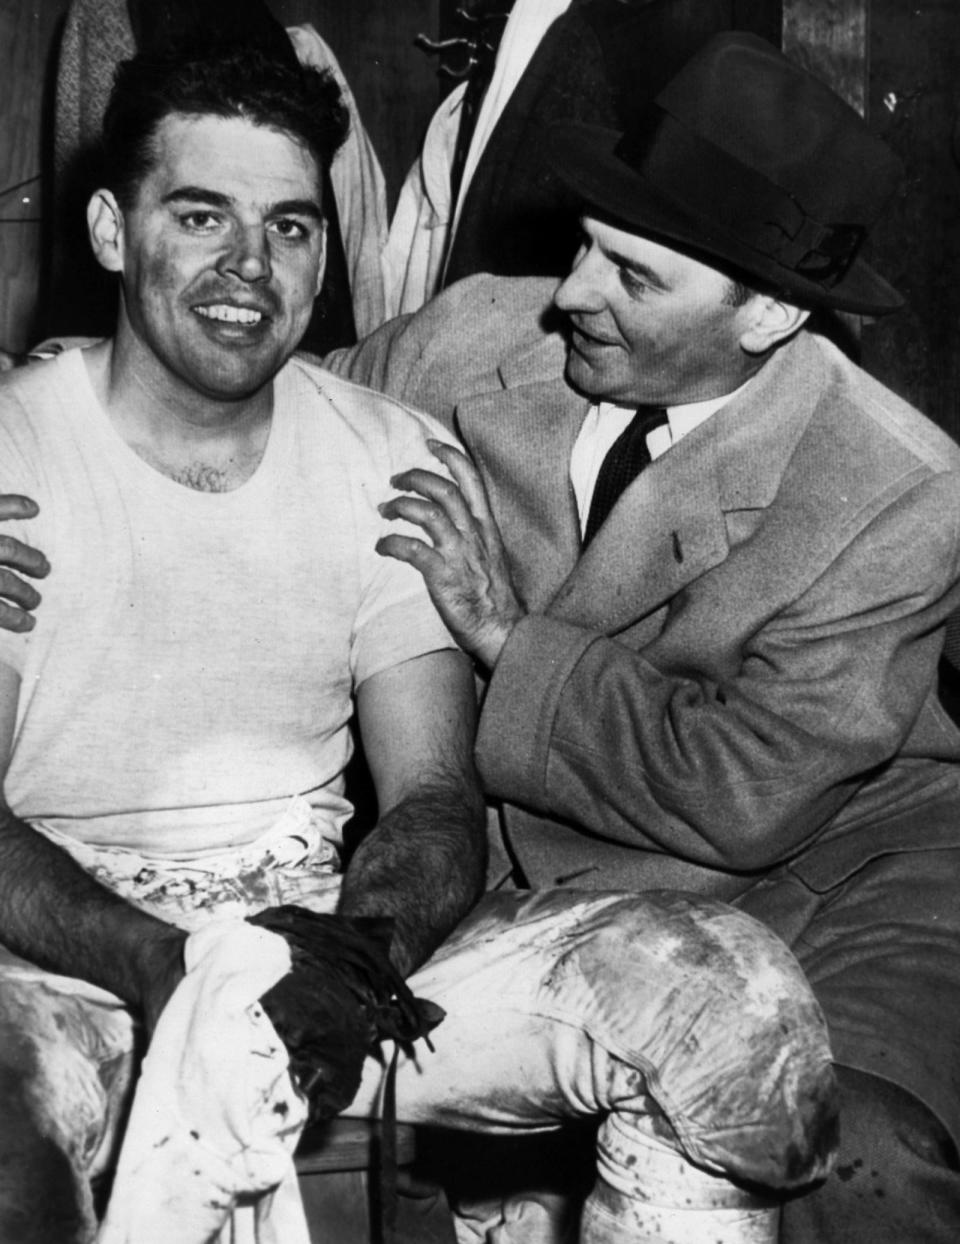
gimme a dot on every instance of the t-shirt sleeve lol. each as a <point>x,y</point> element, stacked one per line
<point>396,620</point>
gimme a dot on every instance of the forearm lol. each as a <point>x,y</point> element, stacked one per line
<point>58,917</point>
<point>730,772</point>
<point>423,865</point>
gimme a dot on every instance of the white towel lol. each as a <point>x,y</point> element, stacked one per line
<point>215,1117</point>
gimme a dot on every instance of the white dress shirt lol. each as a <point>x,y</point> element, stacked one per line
<point>605,422</point>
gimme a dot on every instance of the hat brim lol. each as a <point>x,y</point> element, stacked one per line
<point>583,157</point>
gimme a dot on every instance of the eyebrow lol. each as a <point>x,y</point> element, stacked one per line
<point>640,269</point>
<point>286,207</point>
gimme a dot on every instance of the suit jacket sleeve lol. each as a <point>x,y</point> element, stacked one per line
<point>732,746</point>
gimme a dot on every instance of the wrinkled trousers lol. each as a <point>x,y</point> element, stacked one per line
<point>685,1026</point>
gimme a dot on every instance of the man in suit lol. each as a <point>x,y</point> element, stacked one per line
<point>725,679</point>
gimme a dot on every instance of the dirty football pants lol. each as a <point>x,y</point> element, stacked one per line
<point>681,1023</point>
<point>690,1031</point>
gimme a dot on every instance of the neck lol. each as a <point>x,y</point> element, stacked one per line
<point>200,442</point>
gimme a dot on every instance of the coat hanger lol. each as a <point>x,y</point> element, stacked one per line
<point>474,51</point>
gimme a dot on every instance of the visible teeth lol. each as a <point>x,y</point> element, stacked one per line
<point>230,315</point>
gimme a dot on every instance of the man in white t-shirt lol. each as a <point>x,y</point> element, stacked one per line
<point>164,762</point>
<point>174,733</point>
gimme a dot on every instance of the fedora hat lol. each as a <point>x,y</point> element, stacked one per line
<point>746,158</point>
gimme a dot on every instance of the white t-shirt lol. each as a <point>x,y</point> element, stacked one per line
<point>195,655</point>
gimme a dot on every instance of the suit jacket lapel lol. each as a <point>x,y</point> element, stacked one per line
<point>670,526</point>
<point>521,437</point>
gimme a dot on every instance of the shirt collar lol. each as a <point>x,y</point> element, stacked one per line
<point>681,419</point>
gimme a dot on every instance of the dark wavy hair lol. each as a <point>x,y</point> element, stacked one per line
<point>243,82</point>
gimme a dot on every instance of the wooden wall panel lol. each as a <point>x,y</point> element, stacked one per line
<point>915,105</point>
<point>394,83</point>
<point>27,33</point>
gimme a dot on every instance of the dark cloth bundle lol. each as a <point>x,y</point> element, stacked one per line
<point>341,998</point>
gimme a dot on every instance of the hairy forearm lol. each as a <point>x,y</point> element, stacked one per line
<point>57,916</point>
<point>423,865</point>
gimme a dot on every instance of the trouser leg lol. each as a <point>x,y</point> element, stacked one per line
<point>881,949</point>
<point>686,1026</point>
<point>897,1178</point>
<point>65,1073</point>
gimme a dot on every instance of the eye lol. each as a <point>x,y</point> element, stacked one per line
<point>200,220</point>
<point>290,230</point>
<point>632,282</point>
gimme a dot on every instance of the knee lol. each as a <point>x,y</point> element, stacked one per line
<point>53,1119</point>
<point>731,1040</point>
<point>40,1202</point>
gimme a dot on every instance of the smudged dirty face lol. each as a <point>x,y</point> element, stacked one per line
<point>221,255</point>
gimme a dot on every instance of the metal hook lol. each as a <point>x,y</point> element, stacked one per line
<point>439,47</point>
<point>435,46</point>
<point>477,47</point>
<point>483,13</point>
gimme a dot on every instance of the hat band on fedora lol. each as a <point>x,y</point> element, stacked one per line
<point>703,178</point>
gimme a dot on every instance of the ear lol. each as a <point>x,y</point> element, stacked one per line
<point>769,321</point>
<point>105,226</point>
<point>322,261</point>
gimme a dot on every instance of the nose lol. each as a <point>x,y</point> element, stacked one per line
<point>249,255</point>
<point>580,289</point>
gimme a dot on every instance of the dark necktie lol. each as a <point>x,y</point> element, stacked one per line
<point>626,458</point>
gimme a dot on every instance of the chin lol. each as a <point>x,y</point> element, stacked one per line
<point>242,380</point>
<point>584,378</point>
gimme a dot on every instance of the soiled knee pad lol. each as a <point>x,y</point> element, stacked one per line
<point>712,1018</point>
<point>897,1178</point>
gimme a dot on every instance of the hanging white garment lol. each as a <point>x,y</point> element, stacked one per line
<point>359,188</point>
<point>422,228</point>
<point>413,256</point>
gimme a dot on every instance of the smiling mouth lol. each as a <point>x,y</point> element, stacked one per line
<point>584,338</point>
<point>223,313</point>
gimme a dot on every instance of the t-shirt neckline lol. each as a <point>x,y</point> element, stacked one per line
<point>150,476</point>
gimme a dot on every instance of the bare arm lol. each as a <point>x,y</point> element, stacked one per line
<point>424,863</point>
<point>58,917</point>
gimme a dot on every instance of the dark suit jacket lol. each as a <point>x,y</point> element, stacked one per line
<point>741,669</point>
<point>599,62</point>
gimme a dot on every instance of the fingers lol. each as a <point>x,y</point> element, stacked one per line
<point>17,591</point>
<point>432,518</point>
<point>414,552</point>
<point>446,501</point>
<point>14,619</point>
<point>466,475</point>
<point>19,556</point>
<point>12,505</point>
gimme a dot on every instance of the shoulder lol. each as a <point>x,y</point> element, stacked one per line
<point>486,320</point>
<point>457,344</point>
<point>886,433</point>
<point>29,383</point>
<point>862,464</point>
<point>354,417</point>
<point>36,399</point>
